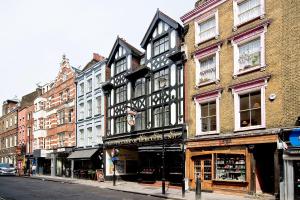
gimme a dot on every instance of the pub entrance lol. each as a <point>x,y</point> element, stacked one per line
<point>150,165</point>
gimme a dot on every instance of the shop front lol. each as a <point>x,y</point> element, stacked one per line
<point>141,157</point>
<point>126,163</point>
<point>60,165</point>
<point>85,162</point>
<point>42,160</point>
<point>234,164</point>
<point>290,143</point>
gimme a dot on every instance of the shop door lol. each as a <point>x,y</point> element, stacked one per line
<point>203,169</point>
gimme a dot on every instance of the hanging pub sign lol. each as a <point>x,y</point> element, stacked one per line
<point>294,137</point>
<point>131,117</point>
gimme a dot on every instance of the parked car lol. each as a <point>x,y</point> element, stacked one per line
<point>7,169</point>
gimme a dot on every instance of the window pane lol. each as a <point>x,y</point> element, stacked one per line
<point>204,122</point>
<point>249,54</point>
<point>212,108</point>
<point>213,124</point>
<point>208,69</point>
<point>255,100</point>
<point>207,29</point>
<point>256,117</point>
<point>204,110</point>
<point>248,10</point>
<point>245,118</point>
<point>244,102</point>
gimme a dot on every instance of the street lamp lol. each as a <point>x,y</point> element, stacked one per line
<point>163,83</point>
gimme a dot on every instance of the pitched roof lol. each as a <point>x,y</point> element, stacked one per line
<point>96,58</point>
<point>158,16</point>
<point>121,42</point>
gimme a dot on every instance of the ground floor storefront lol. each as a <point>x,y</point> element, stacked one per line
<point>60,165</point>
<point>237,164</point>
<point>140,158</point>
<point>87,163</point>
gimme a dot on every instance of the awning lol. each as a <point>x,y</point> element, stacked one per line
<point>83,154</point>
<point>158,149</point>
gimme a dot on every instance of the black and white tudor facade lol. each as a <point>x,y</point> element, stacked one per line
<point>145,98</point>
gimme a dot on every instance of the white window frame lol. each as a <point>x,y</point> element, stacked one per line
<point>198,103</point>
<point>236,95</point>
<point>89,85</point>
<point>81,88</point>
<point>236,14</point>
<point>197,61</point>
<point>206,17</point>
<point>98,80</point>
<point>236,56</point>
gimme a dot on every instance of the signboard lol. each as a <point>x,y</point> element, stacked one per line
<point>131,117</point>
<point>294,137</point>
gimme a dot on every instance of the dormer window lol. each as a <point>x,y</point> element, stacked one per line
<point>121,66</point>
<point>161,45</point>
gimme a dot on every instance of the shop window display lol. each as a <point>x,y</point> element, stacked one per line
<point>231,167</point>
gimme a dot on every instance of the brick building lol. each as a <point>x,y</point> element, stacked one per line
<point>54,122</point>
<point>25,133</point>
<point>9,132</point>
<point>241,91</point>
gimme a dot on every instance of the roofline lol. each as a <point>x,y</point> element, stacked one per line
<point>159,15</point>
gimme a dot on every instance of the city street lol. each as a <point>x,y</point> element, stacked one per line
<point>16,188</point>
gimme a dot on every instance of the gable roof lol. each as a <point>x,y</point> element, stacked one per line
<point>158,16</point>
<point>123,43</point>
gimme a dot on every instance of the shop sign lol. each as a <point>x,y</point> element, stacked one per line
<point>131,117</point>
<point>293,151</point>
<point>294,137</point>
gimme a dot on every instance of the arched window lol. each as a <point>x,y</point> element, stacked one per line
<point>139,88</point>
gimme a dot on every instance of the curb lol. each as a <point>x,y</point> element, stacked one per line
<point>146,194</point>
<point>49,179</point>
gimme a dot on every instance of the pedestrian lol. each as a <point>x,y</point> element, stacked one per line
<point>33,169</point>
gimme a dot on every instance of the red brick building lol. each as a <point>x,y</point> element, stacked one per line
<point>54,122</point>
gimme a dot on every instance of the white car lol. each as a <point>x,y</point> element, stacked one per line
<point>7,169</point>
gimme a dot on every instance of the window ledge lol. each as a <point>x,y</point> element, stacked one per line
<point>207,133</point>
<point>249,128</point>
<point>251,69</point>
<point>215,37</point>
<point>236,26</point>
<point>207,83</point>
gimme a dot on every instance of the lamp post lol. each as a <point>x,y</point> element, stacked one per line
<point>163,84</point>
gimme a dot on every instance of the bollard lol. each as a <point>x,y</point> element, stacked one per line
<point>198,188</point>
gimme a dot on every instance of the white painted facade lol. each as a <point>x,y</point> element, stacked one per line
<point>90,115</point>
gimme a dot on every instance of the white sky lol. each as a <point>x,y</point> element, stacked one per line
<point>35,33</point>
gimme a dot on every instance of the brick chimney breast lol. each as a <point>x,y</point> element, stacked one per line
<point>97,57</point>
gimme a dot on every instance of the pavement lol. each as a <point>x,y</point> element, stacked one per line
<point>149,190</point>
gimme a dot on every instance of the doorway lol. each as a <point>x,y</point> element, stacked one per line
<point>203,170</point>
